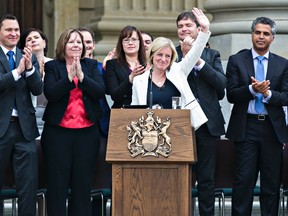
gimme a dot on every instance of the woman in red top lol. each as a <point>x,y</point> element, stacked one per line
<point>70,139</point>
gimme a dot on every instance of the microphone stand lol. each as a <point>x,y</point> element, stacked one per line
<point>151,92</point>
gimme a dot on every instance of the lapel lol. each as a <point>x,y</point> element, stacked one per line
<point>62,69</point>
<point>249,66</point>
<point>272,64</point>
<point>18,56</point>
<point>4,61</point>
<point>124,71</point>
<point>144,78</point>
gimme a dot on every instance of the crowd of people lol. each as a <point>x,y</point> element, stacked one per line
<point>64,98</point>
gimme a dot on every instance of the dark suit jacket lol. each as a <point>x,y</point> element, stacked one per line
<point>117,83</point>
<point>239,70</point>
<point>57,89</point>
<point>209,87</point>
<point>11,90</point>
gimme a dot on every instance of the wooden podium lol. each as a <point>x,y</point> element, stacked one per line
<point>148,183</point>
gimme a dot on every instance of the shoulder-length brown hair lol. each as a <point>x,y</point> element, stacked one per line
<point>120,54</point>
<point>63,40</point>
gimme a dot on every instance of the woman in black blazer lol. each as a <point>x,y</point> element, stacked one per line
<point>70,140</point>
<point>130,61</point>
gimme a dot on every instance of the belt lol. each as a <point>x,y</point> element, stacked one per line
<point>258,117</point>
<point>14,118</point>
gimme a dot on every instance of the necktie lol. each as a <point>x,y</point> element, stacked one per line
<point>259,75</point>
<point>11,60</point>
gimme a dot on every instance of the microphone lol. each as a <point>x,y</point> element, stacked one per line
<point>151,92</point>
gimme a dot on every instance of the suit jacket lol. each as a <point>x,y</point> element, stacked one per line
<point>209,87</point>
<point>117,83</point>
<point>57,89</point>
<point>239,70</point>
<point>19,91</point>
<point>177,74</point>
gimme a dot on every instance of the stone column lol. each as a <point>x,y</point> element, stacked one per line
<point>154,16</point>
<point>59,15</point>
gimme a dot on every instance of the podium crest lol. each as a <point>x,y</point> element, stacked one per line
<point>148,137</point>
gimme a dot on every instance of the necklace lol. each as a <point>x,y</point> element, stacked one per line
<point>159,83</point>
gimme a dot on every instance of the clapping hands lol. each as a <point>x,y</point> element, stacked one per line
<point>75,69</point>
<point>261,87</point>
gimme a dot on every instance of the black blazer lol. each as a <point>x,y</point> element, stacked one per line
<point>57,89</point>
<point>209,87</point>
<point>117,83</point>
<point>11,90</point>
<point>239,70</point>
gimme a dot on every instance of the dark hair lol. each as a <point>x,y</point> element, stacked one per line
<point>85,28</point>
<point>62,41</point>
<point>265,21</point>
<point>187,15</point>
<point>148,35</point>
<point>120,54</point>
<point>7,16</point>
<point>23,37</point>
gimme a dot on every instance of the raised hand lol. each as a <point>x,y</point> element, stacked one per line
<point>202,19</point>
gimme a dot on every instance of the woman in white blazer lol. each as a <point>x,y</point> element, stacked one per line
<point>169,78</point>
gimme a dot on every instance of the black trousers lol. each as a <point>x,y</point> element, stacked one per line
<point>25,164</point>
<point>205,170</point>
<point>260,151</point>
<point>69,156</point>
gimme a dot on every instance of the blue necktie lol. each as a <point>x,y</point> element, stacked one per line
<point>259,75</point>
<point>11,60</point>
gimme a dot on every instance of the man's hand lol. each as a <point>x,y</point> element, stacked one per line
<point>28,58</point>
<point>21,67</point>
<point>186,45</point>
<point>261,87</point>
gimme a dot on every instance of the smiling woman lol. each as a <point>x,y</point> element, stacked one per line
<point>130,62</point>
<point>70,140</point>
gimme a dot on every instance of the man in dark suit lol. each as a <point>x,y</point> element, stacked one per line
<point>207,82</point>
<point>257,123</point>
<point>19,76</point>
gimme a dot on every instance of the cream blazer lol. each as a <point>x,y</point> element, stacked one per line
<point>177,74</point>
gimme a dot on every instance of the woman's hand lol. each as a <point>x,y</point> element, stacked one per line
<point>79,72</point>
<point>202,19</point>
<point>139,69</point>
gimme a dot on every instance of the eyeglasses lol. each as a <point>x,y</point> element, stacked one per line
<point>128,40</point>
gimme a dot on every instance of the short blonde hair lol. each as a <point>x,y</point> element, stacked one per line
<point>158,44</point>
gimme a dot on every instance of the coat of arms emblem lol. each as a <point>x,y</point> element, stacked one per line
<point>148,137</point>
